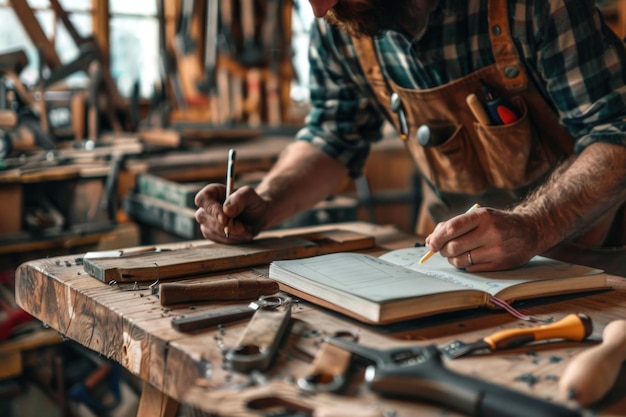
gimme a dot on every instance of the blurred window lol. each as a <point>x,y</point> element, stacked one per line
<point>133,39</point>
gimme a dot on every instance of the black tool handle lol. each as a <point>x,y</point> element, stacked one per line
<point>431,381</point>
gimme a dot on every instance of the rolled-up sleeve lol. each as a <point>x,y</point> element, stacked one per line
<point>344,119</point>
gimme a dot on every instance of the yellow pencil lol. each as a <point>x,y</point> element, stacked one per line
<point>430,253</point>
<point>230,179</point>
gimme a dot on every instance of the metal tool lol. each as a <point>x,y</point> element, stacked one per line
<point>576,327</point>
<point>416,372</point>
<point>328,371</point>
<point>259,343</point>
<point>396,107</point>
<point>224,315</point>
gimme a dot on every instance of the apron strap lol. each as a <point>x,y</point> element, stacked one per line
<point>507,59</point>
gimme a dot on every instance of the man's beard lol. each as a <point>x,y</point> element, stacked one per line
<point>377,16</point>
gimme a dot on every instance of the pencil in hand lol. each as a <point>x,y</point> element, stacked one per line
<point>430,253</point>
<point>230,179</point>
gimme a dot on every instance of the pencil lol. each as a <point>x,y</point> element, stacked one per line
<point>478,110</point>
<point>230,179</point>
<point>430,253</point>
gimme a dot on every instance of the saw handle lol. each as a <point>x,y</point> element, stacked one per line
<point>575,327</point>
<point>592,373</point>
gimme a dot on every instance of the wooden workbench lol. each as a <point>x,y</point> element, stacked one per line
<point>132,328</point>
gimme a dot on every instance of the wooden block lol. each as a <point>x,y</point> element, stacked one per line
<point>190,262</point>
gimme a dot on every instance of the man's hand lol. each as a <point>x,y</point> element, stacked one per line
<point>485,239</point>
<point>244,206</point>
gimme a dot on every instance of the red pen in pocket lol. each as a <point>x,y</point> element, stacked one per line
<point>500,110</point>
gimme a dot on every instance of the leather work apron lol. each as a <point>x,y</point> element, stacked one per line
<point>466,162</point>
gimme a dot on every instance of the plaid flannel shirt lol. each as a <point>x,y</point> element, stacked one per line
<point>571,54</point>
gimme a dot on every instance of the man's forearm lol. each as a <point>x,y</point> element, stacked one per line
<point>577,194</point>
<point>302,176</point>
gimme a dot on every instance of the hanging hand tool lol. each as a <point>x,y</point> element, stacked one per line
<point>576,327</point>
<point>590,375</point>
<point>223,289</point>
<point>116,107</point>
<point>271,36</point>
<point>259,343</point>
<point>226,49</point>
<point>416,372</point>
<point>251,55</point>
<point>187,57</point>
<point>168,72</point>
<point>224,315</point>
<point>208,83</point>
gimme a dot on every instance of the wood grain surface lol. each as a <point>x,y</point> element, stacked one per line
<point>133,328</point>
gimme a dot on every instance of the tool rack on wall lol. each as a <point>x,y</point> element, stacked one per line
<point>225,63</point>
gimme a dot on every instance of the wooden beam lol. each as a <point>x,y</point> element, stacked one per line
<point>36,34</point>
<point>101,31</point>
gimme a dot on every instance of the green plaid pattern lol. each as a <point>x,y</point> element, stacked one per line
<point>573,56</point>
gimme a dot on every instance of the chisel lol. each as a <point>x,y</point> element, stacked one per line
<point>590,375</point>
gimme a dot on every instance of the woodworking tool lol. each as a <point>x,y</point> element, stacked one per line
<point>590,375</point>
<point>417,373</point>
<point>576,327</point>
<point>259,343</point>
<point>251,53</point>
<point>221,289</point>
<point>224,315</point>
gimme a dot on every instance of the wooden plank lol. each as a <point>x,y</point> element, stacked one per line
<point>215,257</point>
<point>180,221</point>
<point>179,194</point>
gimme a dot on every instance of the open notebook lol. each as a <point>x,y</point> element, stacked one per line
<point>394,287</point>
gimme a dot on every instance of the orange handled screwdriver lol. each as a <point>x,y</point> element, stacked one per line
<point>575,327</point>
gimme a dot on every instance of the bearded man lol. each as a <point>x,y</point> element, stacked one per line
<point>541,147</point>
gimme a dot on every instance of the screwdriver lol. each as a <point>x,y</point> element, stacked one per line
<point>575,327</point>
<point>590,375</point>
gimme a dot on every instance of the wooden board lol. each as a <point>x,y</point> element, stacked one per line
<point>179,194</point>
<point>180,221</point>
<point>189,262</point>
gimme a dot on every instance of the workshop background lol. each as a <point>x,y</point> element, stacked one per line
<point>113,114</point>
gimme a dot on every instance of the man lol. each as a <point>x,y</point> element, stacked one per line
<point>551,173</point>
